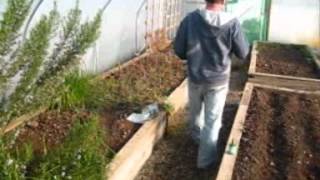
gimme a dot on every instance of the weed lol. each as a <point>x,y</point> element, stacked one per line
<point>167,108</point>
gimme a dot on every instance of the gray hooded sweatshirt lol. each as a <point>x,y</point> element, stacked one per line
<point>206,39</point>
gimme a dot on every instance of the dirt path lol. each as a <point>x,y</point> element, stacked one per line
<point>174,158</point>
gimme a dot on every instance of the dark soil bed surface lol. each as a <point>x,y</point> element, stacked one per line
<point>281,138</point>
<point>281,59</point>
<point>147,81</point>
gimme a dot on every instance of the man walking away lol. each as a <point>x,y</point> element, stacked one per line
<point>206,38</point>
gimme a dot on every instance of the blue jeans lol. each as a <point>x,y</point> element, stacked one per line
<point>206,105</point>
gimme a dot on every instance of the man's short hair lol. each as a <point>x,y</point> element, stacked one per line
<point>215,1</point>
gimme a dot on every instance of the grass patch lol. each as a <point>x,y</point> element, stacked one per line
<point>79,91</point>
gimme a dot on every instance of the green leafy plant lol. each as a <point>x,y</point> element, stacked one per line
<point>83,155</point>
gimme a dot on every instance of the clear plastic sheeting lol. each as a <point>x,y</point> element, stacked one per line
<point>253,16</point>
<point>295,21</point>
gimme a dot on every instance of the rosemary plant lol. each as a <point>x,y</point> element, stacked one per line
<point>10,25</point>
<point>79,39</point>
<point>12,21</point>
<point>36,88</point>
<point>32,55</point>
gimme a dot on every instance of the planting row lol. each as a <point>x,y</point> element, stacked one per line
<point>86,124</point>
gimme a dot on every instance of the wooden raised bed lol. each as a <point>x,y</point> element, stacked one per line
<point>268,141</point>
<point>131,157</point>
<point>293,69</point>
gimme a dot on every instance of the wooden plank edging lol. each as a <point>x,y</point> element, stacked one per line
<point>253,60</point>
<point>179,97</point>
<point>289,82</point>
<point>131,158</point>
<point>14,124</point>
<point>228,160</point>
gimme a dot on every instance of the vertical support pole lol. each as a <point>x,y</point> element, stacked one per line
<point>176,18</point>
<point>158,21</point>
<point>152,20</point>
<point>146,24</point>
<point>167,21</point>
<point>171,18</point>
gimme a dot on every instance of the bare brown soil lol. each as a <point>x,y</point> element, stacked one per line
<point>281,138</point>
<point>48,129</point>
<point>147,81</point>
<point>118,129</point>
<point>289,60</point>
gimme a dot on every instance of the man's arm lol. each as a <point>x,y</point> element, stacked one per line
<point>240,46</point>
<point>180,42</point>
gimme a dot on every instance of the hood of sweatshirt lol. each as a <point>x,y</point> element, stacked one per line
<point>215,18</point>
<point>212,23</point>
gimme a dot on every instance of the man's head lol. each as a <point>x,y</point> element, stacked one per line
<point>215,1</point>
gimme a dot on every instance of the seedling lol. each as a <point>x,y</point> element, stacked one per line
<point>232,148</point>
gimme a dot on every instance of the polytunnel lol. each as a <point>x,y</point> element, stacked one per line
<point>110,89</point>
